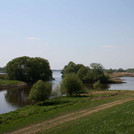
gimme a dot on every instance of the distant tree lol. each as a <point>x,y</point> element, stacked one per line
<point>121,70</point>
<point>109,71</point>
<point>29,69</point>
<point>98,73</point>
<point>71,68</point>
<point>40,91</point>
<point>97,68</point>
<point>71,84</point>
<point>130,70</point>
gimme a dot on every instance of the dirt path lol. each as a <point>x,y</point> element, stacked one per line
<point>66,118</point>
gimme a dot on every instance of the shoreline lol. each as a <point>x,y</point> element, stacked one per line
<point>12,86</point>
<point>115,77</point>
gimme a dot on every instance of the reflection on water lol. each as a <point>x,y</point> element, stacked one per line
<point>4,105</point>
<point>18,96</point>
<point>12,99</point>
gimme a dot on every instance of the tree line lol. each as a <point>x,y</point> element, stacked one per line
<point>37,70</point>
<point>86,74</point>
<point>129,70</point>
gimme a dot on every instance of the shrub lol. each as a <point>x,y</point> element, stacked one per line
<point>71,84</point>
<point>40,91</point>
<point>97,85</point>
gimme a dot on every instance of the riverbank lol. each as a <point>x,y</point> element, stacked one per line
<point>5,83</point>
<point>55,108</point>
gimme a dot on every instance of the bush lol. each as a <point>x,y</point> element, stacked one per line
<point>97,85</point>
<point>71,84</point>
<point>40,91</point>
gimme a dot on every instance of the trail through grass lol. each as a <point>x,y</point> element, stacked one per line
<point>56,108</point>
<point>115,120</point>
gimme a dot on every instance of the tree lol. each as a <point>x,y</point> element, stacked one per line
<point>121,70</point>
<point>83,73</point>
<point>40,91</point>
<point>71,68</point>
<point>97,85</point>
<point>29,69</point>
<point>78,66</point>
<point>86,74</point>
<point>98,73</point>
<point>97,68</point>
<point>71,84</point>
<point>109,71</point>
<point>130,70</point>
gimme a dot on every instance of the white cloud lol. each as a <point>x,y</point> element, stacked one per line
<point>33,38</point>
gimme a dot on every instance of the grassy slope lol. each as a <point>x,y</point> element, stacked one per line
<point>40,112</point>
<point>116,120</point>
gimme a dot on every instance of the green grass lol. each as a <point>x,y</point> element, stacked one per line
<point>9,82</point>
<point>116,120</point>
<point>4,81</point>
<point>52,108</point>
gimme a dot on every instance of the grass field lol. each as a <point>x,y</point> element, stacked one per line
<point>116,120</point>
<point>33,114</point>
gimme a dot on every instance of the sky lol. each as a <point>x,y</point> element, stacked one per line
<point>82,31</point>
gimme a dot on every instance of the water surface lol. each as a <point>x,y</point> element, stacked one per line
<point>12,99</point>
<point>128,85</point>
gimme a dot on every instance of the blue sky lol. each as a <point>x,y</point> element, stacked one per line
<point>83,31</point>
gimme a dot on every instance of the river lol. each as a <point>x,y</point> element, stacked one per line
<point>12,99</point>
<point>128,85</point>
